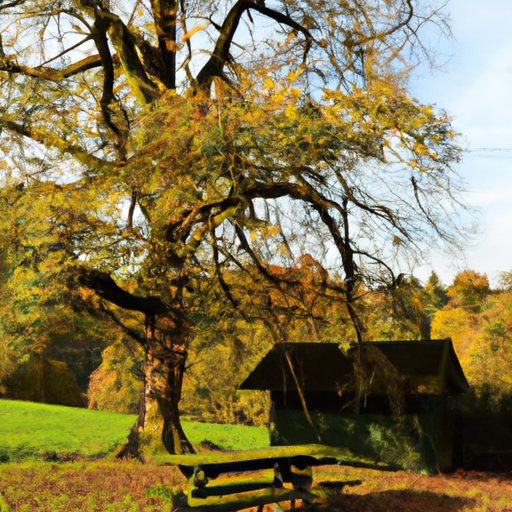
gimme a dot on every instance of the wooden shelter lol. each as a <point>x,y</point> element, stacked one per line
<point>408,405</point>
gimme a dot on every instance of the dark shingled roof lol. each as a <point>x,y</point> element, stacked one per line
<point>430,366</point>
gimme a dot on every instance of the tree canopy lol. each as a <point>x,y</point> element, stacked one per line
<point>257,153</point>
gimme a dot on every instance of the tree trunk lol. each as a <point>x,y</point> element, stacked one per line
<point>131,448</point>
<point>167,343</point>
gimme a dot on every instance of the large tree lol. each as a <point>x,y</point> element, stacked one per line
<point>270,147</point>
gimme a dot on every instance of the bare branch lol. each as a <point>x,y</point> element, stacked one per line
<point>103,284</point>
<point>67,50</point>
<point>54,141</point>
<point>130,332</point>
<point>164,14</point>
<point>9,65</point>
<point>15,3</point>
<point>224,286</point>
<point>131,210</point>
<point>220,54</point>
<point>381,36</point>
<point>124,42</point>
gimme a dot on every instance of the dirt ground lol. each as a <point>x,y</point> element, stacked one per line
<point>123,487</point>
<point>353,490</point>
<point>373,491</point>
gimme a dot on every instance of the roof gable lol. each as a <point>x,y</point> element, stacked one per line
<point>428,366</point>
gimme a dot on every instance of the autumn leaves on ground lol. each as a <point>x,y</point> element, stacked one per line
<point>133,487</point>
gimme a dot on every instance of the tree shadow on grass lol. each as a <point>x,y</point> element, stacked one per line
<point>397,501</point>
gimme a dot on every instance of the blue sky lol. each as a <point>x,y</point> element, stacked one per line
<point>475,87</point>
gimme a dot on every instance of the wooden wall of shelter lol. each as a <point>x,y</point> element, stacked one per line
<point>406,409</point>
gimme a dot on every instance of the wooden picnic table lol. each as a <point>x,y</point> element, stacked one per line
<point>290,478</point>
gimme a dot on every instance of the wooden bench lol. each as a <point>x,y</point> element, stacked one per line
<point>288,476</point>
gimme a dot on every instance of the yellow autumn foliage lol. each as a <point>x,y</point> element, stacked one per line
<point>454,323</point>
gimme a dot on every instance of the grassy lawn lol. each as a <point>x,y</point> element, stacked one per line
<point>226,437</point>
<point>32,431</point>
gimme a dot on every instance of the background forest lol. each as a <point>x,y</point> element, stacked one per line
<point>48,345</point>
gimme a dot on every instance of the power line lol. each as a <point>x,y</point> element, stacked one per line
<point>489,149</point>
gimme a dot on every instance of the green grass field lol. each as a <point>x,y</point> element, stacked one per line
<point>32,431</point>
<point>227,437</point>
